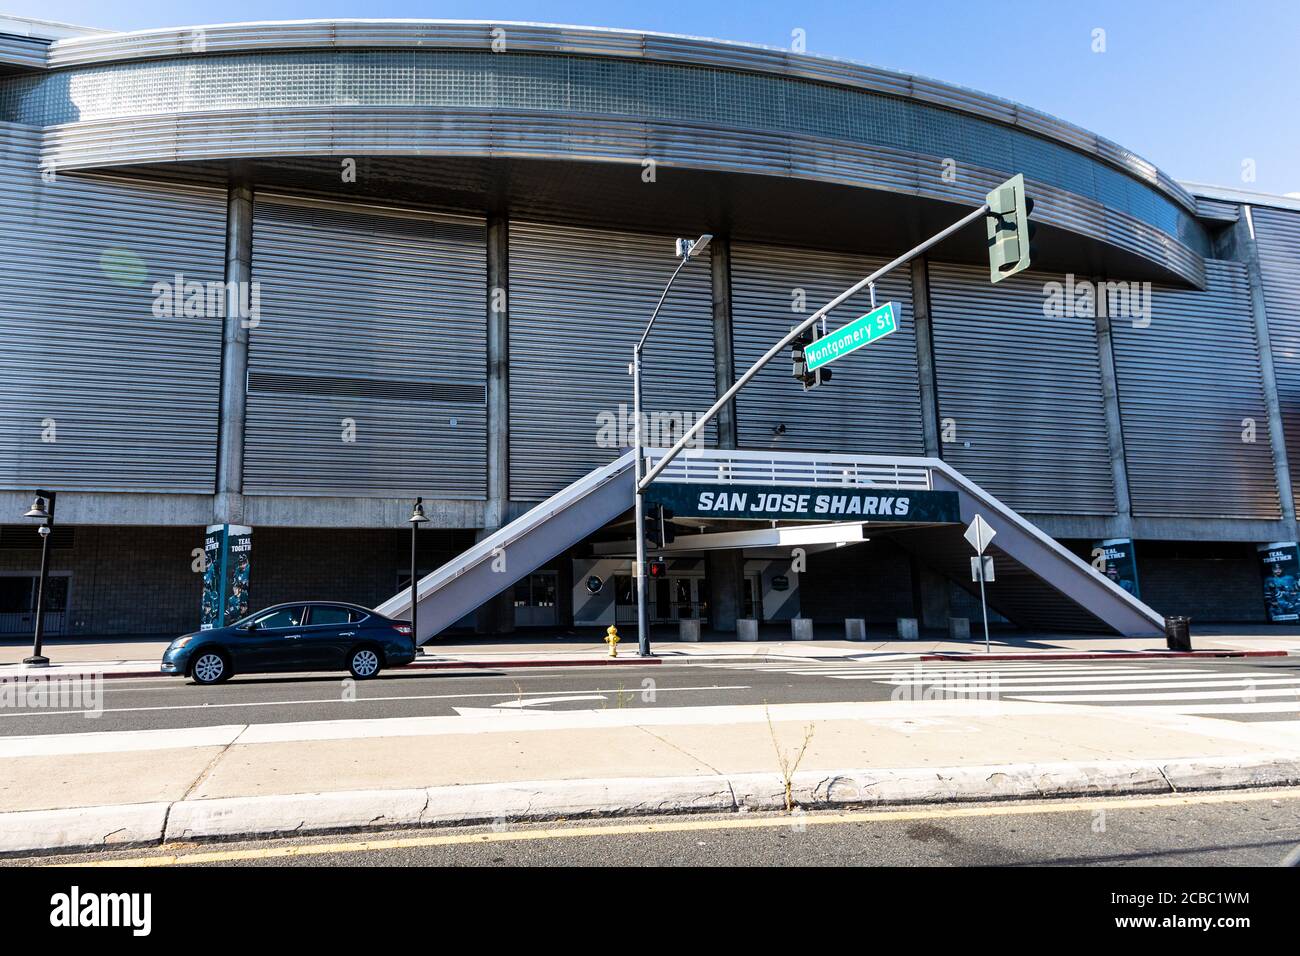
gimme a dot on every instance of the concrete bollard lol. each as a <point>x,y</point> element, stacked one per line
<point>959,628</point>
<point>855,629</point>
<point>908,629</point>
<point>801,628</point>
<point>746,629</point>
<point>689,630</point>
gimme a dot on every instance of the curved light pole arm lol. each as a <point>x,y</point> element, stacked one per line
<point>781,346</point>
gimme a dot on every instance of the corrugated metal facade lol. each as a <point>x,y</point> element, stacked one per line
<point>1190,390</point>
<point>579,300</point>
<point>371,317</point>
<point>1022,391</point>
<point>1277,237</point>
<point>872,405</point>
<point>129,396</point>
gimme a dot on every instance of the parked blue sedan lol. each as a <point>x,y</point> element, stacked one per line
<point>303,636</point>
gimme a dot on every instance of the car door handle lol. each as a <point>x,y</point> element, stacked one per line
<point>347,633</point>
<point>292,637</point>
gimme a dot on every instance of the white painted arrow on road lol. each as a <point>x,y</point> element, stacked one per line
<point>513,707</point>
<point>539,701</point>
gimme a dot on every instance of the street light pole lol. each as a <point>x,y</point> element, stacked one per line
<point>417,518</point>
<point>42,508</point>
<point>686,251</point>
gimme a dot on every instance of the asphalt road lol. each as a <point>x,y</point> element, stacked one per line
<point>1238,689</point>
<point>1238,828</point>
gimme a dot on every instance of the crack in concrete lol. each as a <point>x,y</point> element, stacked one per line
<point>684,753</point>
<point>1161,770</point>
<point>210,765</point>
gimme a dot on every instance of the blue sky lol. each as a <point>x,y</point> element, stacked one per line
<point>1196,87</point>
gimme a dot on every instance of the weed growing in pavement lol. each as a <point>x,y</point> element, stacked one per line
<point>789,764</point>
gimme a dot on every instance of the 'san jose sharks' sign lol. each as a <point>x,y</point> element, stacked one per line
<point>802,503</point>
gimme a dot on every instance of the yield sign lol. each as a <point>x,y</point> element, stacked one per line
<point>979,534</point>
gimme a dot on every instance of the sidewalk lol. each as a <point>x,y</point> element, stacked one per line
<point>86,790</point>
<point>140,658</point>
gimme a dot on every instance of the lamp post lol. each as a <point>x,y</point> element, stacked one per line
<point>417,518</point>
<point>687,250</point>
<point>42,508</point>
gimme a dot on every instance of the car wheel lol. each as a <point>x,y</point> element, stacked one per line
<point>210,667</point>
<point>364,663</point>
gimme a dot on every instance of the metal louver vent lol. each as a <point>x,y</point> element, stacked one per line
<point>370,359</point>
<point>24,537</point>
<point>338,385</point>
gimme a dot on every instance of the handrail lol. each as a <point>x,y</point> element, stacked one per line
<point>506,535</point>
<point>786,468</point>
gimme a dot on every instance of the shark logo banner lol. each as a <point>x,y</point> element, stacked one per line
<point>1281,567</point>
<point>802,503</point>
<point>227,551</point>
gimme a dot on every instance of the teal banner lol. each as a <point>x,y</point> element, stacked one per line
<point>227,567</point>
<point>1281,567</point>
<point>801,503</point>
<point>1116,559</point>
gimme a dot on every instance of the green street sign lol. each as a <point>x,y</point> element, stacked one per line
<point>876,324</point>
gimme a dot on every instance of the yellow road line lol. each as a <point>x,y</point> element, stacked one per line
<point>680,826</point>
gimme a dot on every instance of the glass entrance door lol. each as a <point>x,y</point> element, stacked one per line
<point>753,598</point>
<point>679,597</point>
<point>535,600</point>
<point>18,602</point>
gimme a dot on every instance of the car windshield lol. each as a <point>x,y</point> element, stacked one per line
<point>273,617</point>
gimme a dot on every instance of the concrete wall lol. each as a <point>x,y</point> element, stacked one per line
<point>139,581</point>
<point>1209,582</point>
<point>129,580</point>
<point>871,580</point>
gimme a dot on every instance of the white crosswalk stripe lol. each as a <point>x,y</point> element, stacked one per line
<point>1166,686</point>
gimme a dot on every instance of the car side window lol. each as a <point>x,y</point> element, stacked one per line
<point>284,617</point>
<point>328,614</point>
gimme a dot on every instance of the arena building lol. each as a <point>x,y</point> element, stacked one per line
<point>289,276</point>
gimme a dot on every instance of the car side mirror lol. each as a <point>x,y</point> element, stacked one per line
<point>252,626</point>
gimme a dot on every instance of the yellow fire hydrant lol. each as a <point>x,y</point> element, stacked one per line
<point>612,639</point>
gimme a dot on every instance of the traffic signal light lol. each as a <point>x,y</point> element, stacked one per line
<point>1010,232</point>
<point>659,530</point>
<point>657,569</point>
<point>809,379</point>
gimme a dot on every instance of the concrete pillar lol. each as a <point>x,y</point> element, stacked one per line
<point>725,569</point>
<point>724,359</point>
<point>497,616</point>
<point>228,505</point>
<point>933,596</point>
<point>930,588</point>
<point>1248,252</point>
<point>1114,420</point>
<point>726,573</point>
<point>498,370</point>
<point>925,357</point>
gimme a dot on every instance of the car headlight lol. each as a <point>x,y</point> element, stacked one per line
<point>181,642</point>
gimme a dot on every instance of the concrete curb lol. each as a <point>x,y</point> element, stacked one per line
<point>104,828</point>
<point>236,818</point>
